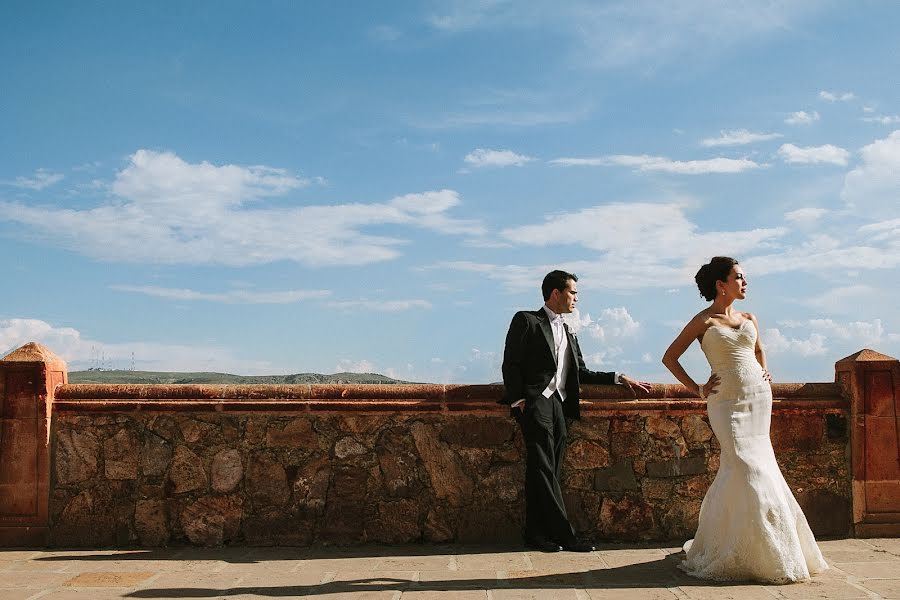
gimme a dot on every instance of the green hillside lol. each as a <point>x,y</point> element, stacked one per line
<point>100,376</point>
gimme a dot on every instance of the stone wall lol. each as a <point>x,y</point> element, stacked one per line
<point>300,465</point>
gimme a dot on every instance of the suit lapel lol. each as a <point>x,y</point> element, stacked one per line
<point>544,321</point>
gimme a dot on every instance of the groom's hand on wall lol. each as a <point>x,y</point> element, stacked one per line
<point>634,385</point>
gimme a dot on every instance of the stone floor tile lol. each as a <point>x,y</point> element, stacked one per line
<point>845,544</point>
<point>108,579</point>
<point>331,565</point>
<point>553,578</point>
<point>90,594</point>
<point>367,595</point>
<point>19,593</point>
<point>631,593</point>
<point>886,588</point>
<point>418,563</point>
<point>727,592</point>
<point>445,595</point>
<point>871,570</point>
<point>535,593</point>
<point>623,559</point>
<point>854,556</point>
<point>353,581</point>
<point>26,579</point>
<point>18,554</point>
<point>121,566</point>
<point>818,588</point>
<point>194,579</point>
<point>508,561</point>
<point>40,566</point>
<point>228,554</point>
<point>562,561</point>
<point>271,580</point>
<point>459,579</point>
<point>634,549</point>
<point>891,545</point>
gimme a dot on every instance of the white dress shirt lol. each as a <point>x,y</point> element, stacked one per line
<point>560,353</point>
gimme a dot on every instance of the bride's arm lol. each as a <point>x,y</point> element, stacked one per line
<point>679,346</point>
<point>758,350</point>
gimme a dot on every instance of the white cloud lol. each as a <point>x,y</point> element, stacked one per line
<point>827,336</point>
<point>882,119</point>
<point>481,157</point>
<point>777,343</point>
<point>888,231</point>
<point>629,33</point>
<point>738,137</point>
<point>354,366</point>
<point>660,163</point>
<point>801,117</point>
<point>169,211</point>
<point>860,332</point>
<point>643,245</point>
<point>805,215</point>
<point>844,299</point>
<point>647,33</point>
<point>639,230</point>
<point>382,305</point>
<point>836,96</point>
<point>874,185</point>
<point>229,297</point>
<point>613,323</point>
<point>162,179</point>
<point>814,154</point>
<point>42,178</point>
<point>603,358</point>
<point>869,247</point>
<point>83,353</point>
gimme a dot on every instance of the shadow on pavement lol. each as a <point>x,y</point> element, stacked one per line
<point>662,573</point>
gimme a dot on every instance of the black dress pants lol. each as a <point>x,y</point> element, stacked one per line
<point>544,429</point>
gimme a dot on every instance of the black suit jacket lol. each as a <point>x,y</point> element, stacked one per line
<point>528,363</point>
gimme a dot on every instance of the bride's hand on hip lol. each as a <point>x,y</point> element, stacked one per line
<point>709,387</point>
<point>766,375</point>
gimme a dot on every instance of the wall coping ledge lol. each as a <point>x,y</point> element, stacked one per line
<point>596,399</point>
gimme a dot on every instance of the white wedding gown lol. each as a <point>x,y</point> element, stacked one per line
<point>751,527</point>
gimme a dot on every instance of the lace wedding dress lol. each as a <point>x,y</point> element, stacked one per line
<point>751,527</point>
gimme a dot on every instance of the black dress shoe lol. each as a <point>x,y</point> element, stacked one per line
<point>542,545</point>
<point>577,546</point>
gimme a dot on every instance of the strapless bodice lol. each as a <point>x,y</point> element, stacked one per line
<point>730,348</point>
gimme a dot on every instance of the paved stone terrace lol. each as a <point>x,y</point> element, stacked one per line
<point>860,569</point>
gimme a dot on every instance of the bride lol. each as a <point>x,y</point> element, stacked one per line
<point>751,527</point>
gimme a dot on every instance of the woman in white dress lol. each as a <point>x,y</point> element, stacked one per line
<point>751,527</point>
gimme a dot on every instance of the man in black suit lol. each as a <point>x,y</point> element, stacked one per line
<point>542,370</point>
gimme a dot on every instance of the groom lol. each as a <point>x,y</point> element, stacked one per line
<point>542,370</point>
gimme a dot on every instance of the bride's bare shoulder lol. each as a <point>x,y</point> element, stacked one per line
<point>701,320</point>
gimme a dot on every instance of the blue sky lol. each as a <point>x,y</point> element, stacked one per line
<point>279,187</point>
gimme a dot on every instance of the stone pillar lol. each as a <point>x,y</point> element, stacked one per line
<point>28,378</point>
<point>872,383</point>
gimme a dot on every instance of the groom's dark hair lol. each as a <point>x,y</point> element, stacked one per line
<point>715,270</point>
<point>556,280</point>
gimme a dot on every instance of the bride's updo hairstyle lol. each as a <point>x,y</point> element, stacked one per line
<point>715,270</point>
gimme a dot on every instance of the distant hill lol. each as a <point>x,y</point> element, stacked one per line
<point>95,376</point>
